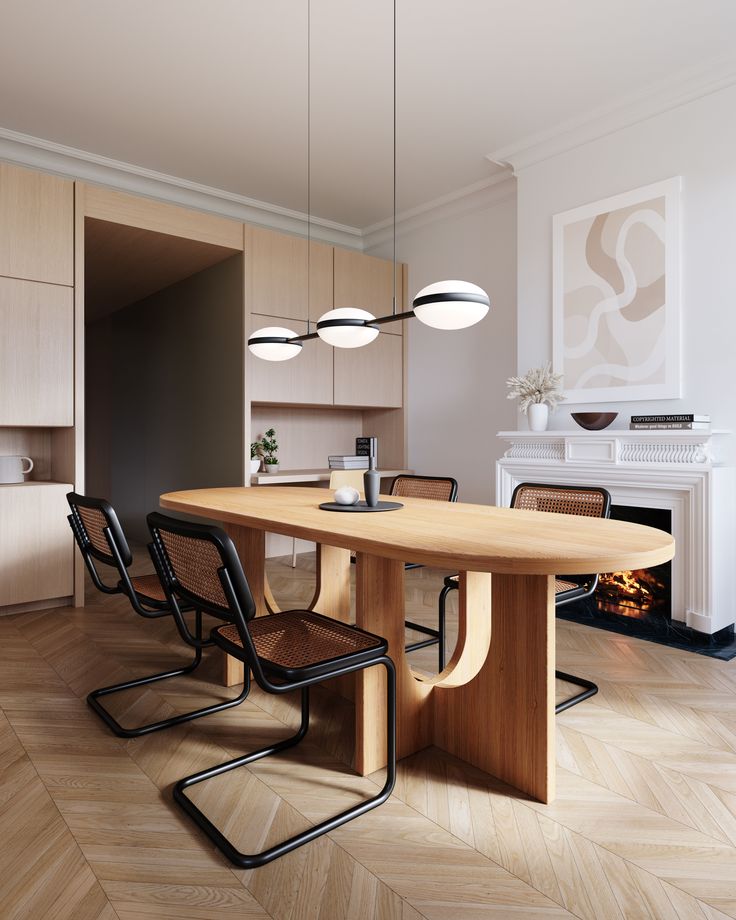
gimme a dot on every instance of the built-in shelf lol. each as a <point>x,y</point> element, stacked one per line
<point>30,483</point>
<point>288,477</point>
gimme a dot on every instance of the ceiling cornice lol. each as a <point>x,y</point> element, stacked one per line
<point>652,101</point>
<point>484,194</point>
<point>48,156</point>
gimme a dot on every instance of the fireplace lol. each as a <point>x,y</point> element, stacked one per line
<point>674,476</point>
<point>644,592</point>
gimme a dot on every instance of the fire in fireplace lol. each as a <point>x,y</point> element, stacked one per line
<point>645,591</point>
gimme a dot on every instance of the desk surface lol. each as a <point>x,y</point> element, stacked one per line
<point>476,538</point>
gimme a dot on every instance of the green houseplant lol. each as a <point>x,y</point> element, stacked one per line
<point>270,450</point>
<point>255,457</point>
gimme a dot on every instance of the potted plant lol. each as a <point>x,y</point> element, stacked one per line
<point>270,449</point>
<point>538,391</point>
<point>255,457</point>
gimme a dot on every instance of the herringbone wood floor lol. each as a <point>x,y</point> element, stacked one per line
<point>644,825</point>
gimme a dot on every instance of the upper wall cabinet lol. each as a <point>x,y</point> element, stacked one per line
<point>303,380</point>
<point>36,226</point>
<point>36,353</point>
<point>371,376</point>
<point>277,271</point>
<point>367,282</point>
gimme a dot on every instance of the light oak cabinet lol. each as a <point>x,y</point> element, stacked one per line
<point>36,547</point>
<point>303,380</point>
<point>36,354</point>
<point>36,226</point>
<point>277,273</point>
<point>367,282</point>
<point>371,376</point>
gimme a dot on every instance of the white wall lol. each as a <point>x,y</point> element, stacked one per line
<point>457,392</point>
<point>698,142</point>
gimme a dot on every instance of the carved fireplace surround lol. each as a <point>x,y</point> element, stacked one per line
<point>672,470</point>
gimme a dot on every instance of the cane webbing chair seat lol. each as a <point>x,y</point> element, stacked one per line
<point>300,640</point>
<point>434,488</point>
<point>149,586</point>
<point>100,538</point>
<point>578,500</point>
<point>560,586</point>
<point>286,651</point>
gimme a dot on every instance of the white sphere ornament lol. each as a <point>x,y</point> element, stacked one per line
<point>347,495</point>
<point>272,343</point>
<point>451,304</point>
<point>345,327</point>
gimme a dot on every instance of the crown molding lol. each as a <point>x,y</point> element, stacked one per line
<point>71,163</point>
<point>484,194</point>
<point>654,100</point>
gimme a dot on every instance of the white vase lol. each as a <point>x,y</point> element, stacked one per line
<point>255,465</point>
<point>538,415</point>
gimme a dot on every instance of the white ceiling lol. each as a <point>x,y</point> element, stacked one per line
<point>214,91</point>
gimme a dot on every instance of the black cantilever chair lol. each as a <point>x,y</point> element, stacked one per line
<point>286,651</point>
<point>435,488</point>
<point>588,502</point>
<point>101,540</point>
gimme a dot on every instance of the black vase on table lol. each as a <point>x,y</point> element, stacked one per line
<point>371,483</point>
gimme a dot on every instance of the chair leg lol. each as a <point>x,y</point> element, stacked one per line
<point>93,699</point>
<point>293,552</point>
<point>589,689</point>
<point>253,861</point>
<point>442,619</point>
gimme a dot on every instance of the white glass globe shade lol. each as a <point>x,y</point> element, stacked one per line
<point>451,304</point>
<point>278,350</point>
<point>344,327</point>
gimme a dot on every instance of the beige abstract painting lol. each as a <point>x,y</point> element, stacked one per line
<point>616,303</point>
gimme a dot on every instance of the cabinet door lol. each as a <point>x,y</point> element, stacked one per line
<point>303,380</point>
<point>36,548</point>
<point>277,274</point>
<point>36,226</point>
<point>366,282</point>
<point>372,375</point>
<point>36,354</point>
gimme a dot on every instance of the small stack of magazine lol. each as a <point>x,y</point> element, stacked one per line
<point>348,462</point>
<point>677,422</point>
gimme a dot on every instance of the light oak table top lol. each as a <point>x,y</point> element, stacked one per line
<point>477,538</point>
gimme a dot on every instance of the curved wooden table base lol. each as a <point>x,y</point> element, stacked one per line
<point>493,705</point>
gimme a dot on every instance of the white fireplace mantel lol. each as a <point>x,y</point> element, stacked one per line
<point>669,469</point>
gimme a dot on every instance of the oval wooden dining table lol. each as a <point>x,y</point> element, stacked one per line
<point>493,704</point>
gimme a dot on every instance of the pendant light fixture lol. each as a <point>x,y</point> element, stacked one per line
<point>451,304</point>
<point>442,305</point>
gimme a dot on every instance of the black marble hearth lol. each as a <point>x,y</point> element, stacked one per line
<point>653,626</point>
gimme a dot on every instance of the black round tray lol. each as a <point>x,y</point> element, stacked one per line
<point>361,506</point>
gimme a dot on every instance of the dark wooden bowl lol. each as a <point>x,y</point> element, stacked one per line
<point>594,421</point>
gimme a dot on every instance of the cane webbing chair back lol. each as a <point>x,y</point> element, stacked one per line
<point>561,499</point>
<point>191,558</point>
<point>436,488</point>
<point>91,517</point>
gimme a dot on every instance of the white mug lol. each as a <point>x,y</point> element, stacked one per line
<point>11,468</point>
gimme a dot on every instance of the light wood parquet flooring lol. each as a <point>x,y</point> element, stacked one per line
<point>644,825</point>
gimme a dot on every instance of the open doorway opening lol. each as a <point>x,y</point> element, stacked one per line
<point>164,397</point>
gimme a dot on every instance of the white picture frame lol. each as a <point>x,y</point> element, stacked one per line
<point>616,296</point>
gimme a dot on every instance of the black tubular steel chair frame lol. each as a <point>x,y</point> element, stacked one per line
<point>110,547</point>
<point>585,585</point>
<point>236,605</point>
<point>437,636</point>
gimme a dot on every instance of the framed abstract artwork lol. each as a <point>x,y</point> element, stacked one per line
<point>616,296</point>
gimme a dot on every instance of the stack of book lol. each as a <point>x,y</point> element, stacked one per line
<point>347,462</point>
<point>676,422</point>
